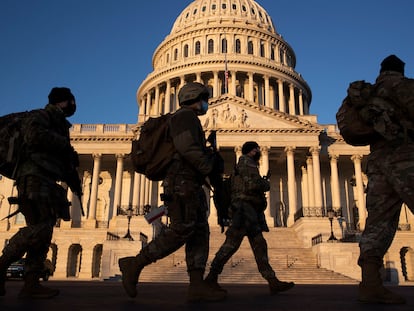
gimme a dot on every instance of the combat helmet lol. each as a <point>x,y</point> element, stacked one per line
<point>192,92</point>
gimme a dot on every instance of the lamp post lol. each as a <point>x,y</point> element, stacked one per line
<point>331,215</point>
<point>129,216</point>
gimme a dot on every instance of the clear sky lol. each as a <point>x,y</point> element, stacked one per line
<point>102,49</point>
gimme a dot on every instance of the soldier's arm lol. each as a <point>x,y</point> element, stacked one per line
<point>38,134</point>
<point>185,131</point>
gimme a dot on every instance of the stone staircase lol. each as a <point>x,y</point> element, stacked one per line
<point>288,257</point>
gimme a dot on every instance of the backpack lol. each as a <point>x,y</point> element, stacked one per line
<point>352,127</point>
<point>152,153</point>
<point>11,141</point>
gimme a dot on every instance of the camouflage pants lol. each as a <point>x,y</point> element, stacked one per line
<point>247,224</point>
<point>37,201</point>
<point>187,210</point>
<point>390,183</point>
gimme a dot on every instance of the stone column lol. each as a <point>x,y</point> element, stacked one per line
<point>362,212</point>
<point>95,184</point>
<point>216,84</point>
<point>336,199</point>
<point>267,92</point>
<point>157,100</point>
<point>317,177</point>
<point>167,107</point>
<point>238,151</point>
<point>281,95</point>
<point>135,195</point>
<point>142,191</point>
<point>309,164</point>
<point>233,83</point>
<point>148,104</point>
<point>251,87</point>
<point>290,151</point>
<point>305,187</point>
<point>264,168</point>
<point>292,100</point>
<point>118,183</point>
<point>301,111</point>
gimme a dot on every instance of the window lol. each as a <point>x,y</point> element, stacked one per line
<point>234,6</point>
<point>282,57</point>
<point>250,47</point>
<point>262,49</point>
<point>175,54</point>
<point>197,48</point>
<point>272,53</point>
<point>224,6</point>
<point>213,7</point>
<point>224,46</point>
<point>244,8</point>
<point>210,46</point>
<point>186,50</point>
<point>203,9</point>
<point>238,46</point>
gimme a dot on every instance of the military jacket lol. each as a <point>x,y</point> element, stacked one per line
<point>192,157</point>
<point>48,152</point>
<point>247,184</point>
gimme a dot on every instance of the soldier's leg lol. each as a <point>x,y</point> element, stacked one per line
<point>259,247</point>
<point>168,241</point>
<point>234,238</point>
<point>40,202</point>
<point>383,206</point>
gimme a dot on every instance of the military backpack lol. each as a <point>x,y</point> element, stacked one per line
<point>152,152</point>
<point>353,128</point>
<point>11,141</point>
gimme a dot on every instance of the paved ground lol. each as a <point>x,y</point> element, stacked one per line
<point>84,296</point>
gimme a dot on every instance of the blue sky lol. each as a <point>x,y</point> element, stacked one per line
<point>102,49</point>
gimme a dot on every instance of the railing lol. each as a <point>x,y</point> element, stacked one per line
<point>317,239</point>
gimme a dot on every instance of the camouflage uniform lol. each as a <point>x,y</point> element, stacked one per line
<point>185,197</point>
<point>248,205</point>
<point>47,158</point>
<point>390,171</point>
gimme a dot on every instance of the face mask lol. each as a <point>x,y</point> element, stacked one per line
<point>257,156</point>
<point>70,109</point>
<point>204,108</point>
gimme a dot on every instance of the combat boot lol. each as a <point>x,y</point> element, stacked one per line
<point>3,271</point>
<point>212,281</point>
<point>371,289</point>
<point>32,289</point>
<point>277,286</point>
<point>131,268</point>
<point>200,291</point>
<point>5,262</point>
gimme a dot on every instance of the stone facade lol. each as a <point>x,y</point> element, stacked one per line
<point>249,68</point>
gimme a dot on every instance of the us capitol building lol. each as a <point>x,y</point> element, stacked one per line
<point>316,206</point>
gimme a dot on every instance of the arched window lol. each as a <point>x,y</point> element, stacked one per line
<point>262,49</point>
<point>238,46</point>
<point>224,46</point>
<point>197,48</point>
<point>185,50</point>
<point>282,57</point>
<point>175,54</point>
<point>250,47</point>
<point>272,53</point>
<point>210,46</point>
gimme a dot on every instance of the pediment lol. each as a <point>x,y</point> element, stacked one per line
<point>234,113</point>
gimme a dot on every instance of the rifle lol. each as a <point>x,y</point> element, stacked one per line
<point>218,185</point>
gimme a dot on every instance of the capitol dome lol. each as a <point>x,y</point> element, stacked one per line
<point>233,48</point>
